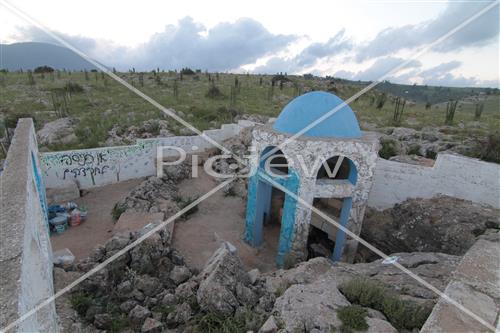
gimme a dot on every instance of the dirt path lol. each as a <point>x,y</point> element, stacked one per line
<point>219,218</point>
<point>99,224</point>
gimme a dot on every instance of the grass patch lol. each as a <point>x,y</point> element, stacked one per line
<point>241,322</point>
<point>403,314</point>
<point>353,317</point>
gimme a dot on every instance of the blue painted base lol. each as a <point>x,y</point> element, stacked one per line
<point>259,205</point>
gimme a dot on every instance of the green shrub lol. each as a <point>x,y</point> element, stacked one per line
<point>242,321</point>
<point>81,302</point>
<point>491,149</point>
<point>118,210</point>
<point>72,87</point>
<point>414,150</point>
<point>353,317</point>
<point>214,92</point>
<point>403,314</point>
<point>388,149</point>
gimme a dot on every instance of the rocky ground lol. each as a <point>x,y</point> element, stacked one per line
<point>442,224</point>
<point>429,141</point>
<point>120,135</point>
<point>150,289</point>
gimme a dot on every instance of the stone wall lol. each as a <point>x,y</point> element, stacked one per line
<point>102,166</point>
<point>453,175</point>
<point>25,252</point>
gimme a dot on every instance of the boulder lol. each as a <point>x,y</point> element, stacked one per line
<point>270,326</point>
<point>148,285</point>
<point>117,243</point>
<point>57,131</point>
<point>102,321</point>
<point>376,325</point>
<point>217,289</point>
<point>138,315</point>
<point>441,224</point>
<point>180,274</point>
<point>305,307</point>
<point>151,326</point>
<point>181,315</point>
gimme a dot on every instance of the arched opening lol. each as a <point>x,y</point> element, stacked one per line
<point>337,168</point>
<point>274,161</point>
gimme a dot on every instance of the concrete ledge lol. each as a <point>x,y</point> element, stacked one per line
<point>475,286</point>
<point>25,253</point>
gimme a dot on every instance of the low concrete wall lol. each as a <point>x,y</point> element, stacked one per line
<point>25,252</point>
<point>474,285</point>
<point>453,175</point>
<point>102,166</point>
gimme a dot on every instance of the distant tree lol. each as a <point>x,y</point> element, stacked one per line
<point>260,81</point>
<point>187,71</point>
<point>43,69</point>
<point>428,105</point>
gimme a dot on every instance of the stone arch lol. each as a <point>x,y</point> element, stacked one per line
<point>277,159</point>
<point>338,167</point>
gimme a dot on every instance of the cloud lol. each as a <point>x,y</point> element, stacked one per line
<point>309,56</point>
<point>224,47</point>
<point>441,75</point>
<point>479,32</point>
<point>335,45</point>
<point>379,68</point>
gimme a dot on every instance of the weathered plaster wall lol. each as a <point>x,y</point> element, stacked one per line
<point>25,252</point>
<point>101,166</point>
<point>453,175</point>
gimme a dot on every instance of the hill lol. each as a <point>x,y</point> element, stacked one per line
<point>31,55</point>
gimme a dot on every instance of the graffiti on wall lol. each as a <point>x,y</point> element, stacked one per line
<point>94,163</point>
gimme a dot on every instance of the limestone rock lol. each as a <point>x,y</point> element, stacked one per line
<point>180,274</point>
<point>102,321</point>
<point>441,224</point>
<point>269,326</point>
<point>148,285</point>
<point>304,307</point>
<point>60,130</point>
<point>216,292</point>
<point>151,326</point>
<point>138,314</point>
<point>181,315</point>
<point>376,325</point>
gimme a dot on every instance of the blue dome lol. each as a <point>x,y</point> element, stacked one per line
<point>305,109</point>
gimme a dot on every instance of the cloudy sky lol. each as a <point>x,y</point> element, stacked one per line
<point>359,40</point>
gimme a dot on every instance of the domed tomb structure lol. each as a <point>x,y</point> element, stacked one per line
<point>313,155</point>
